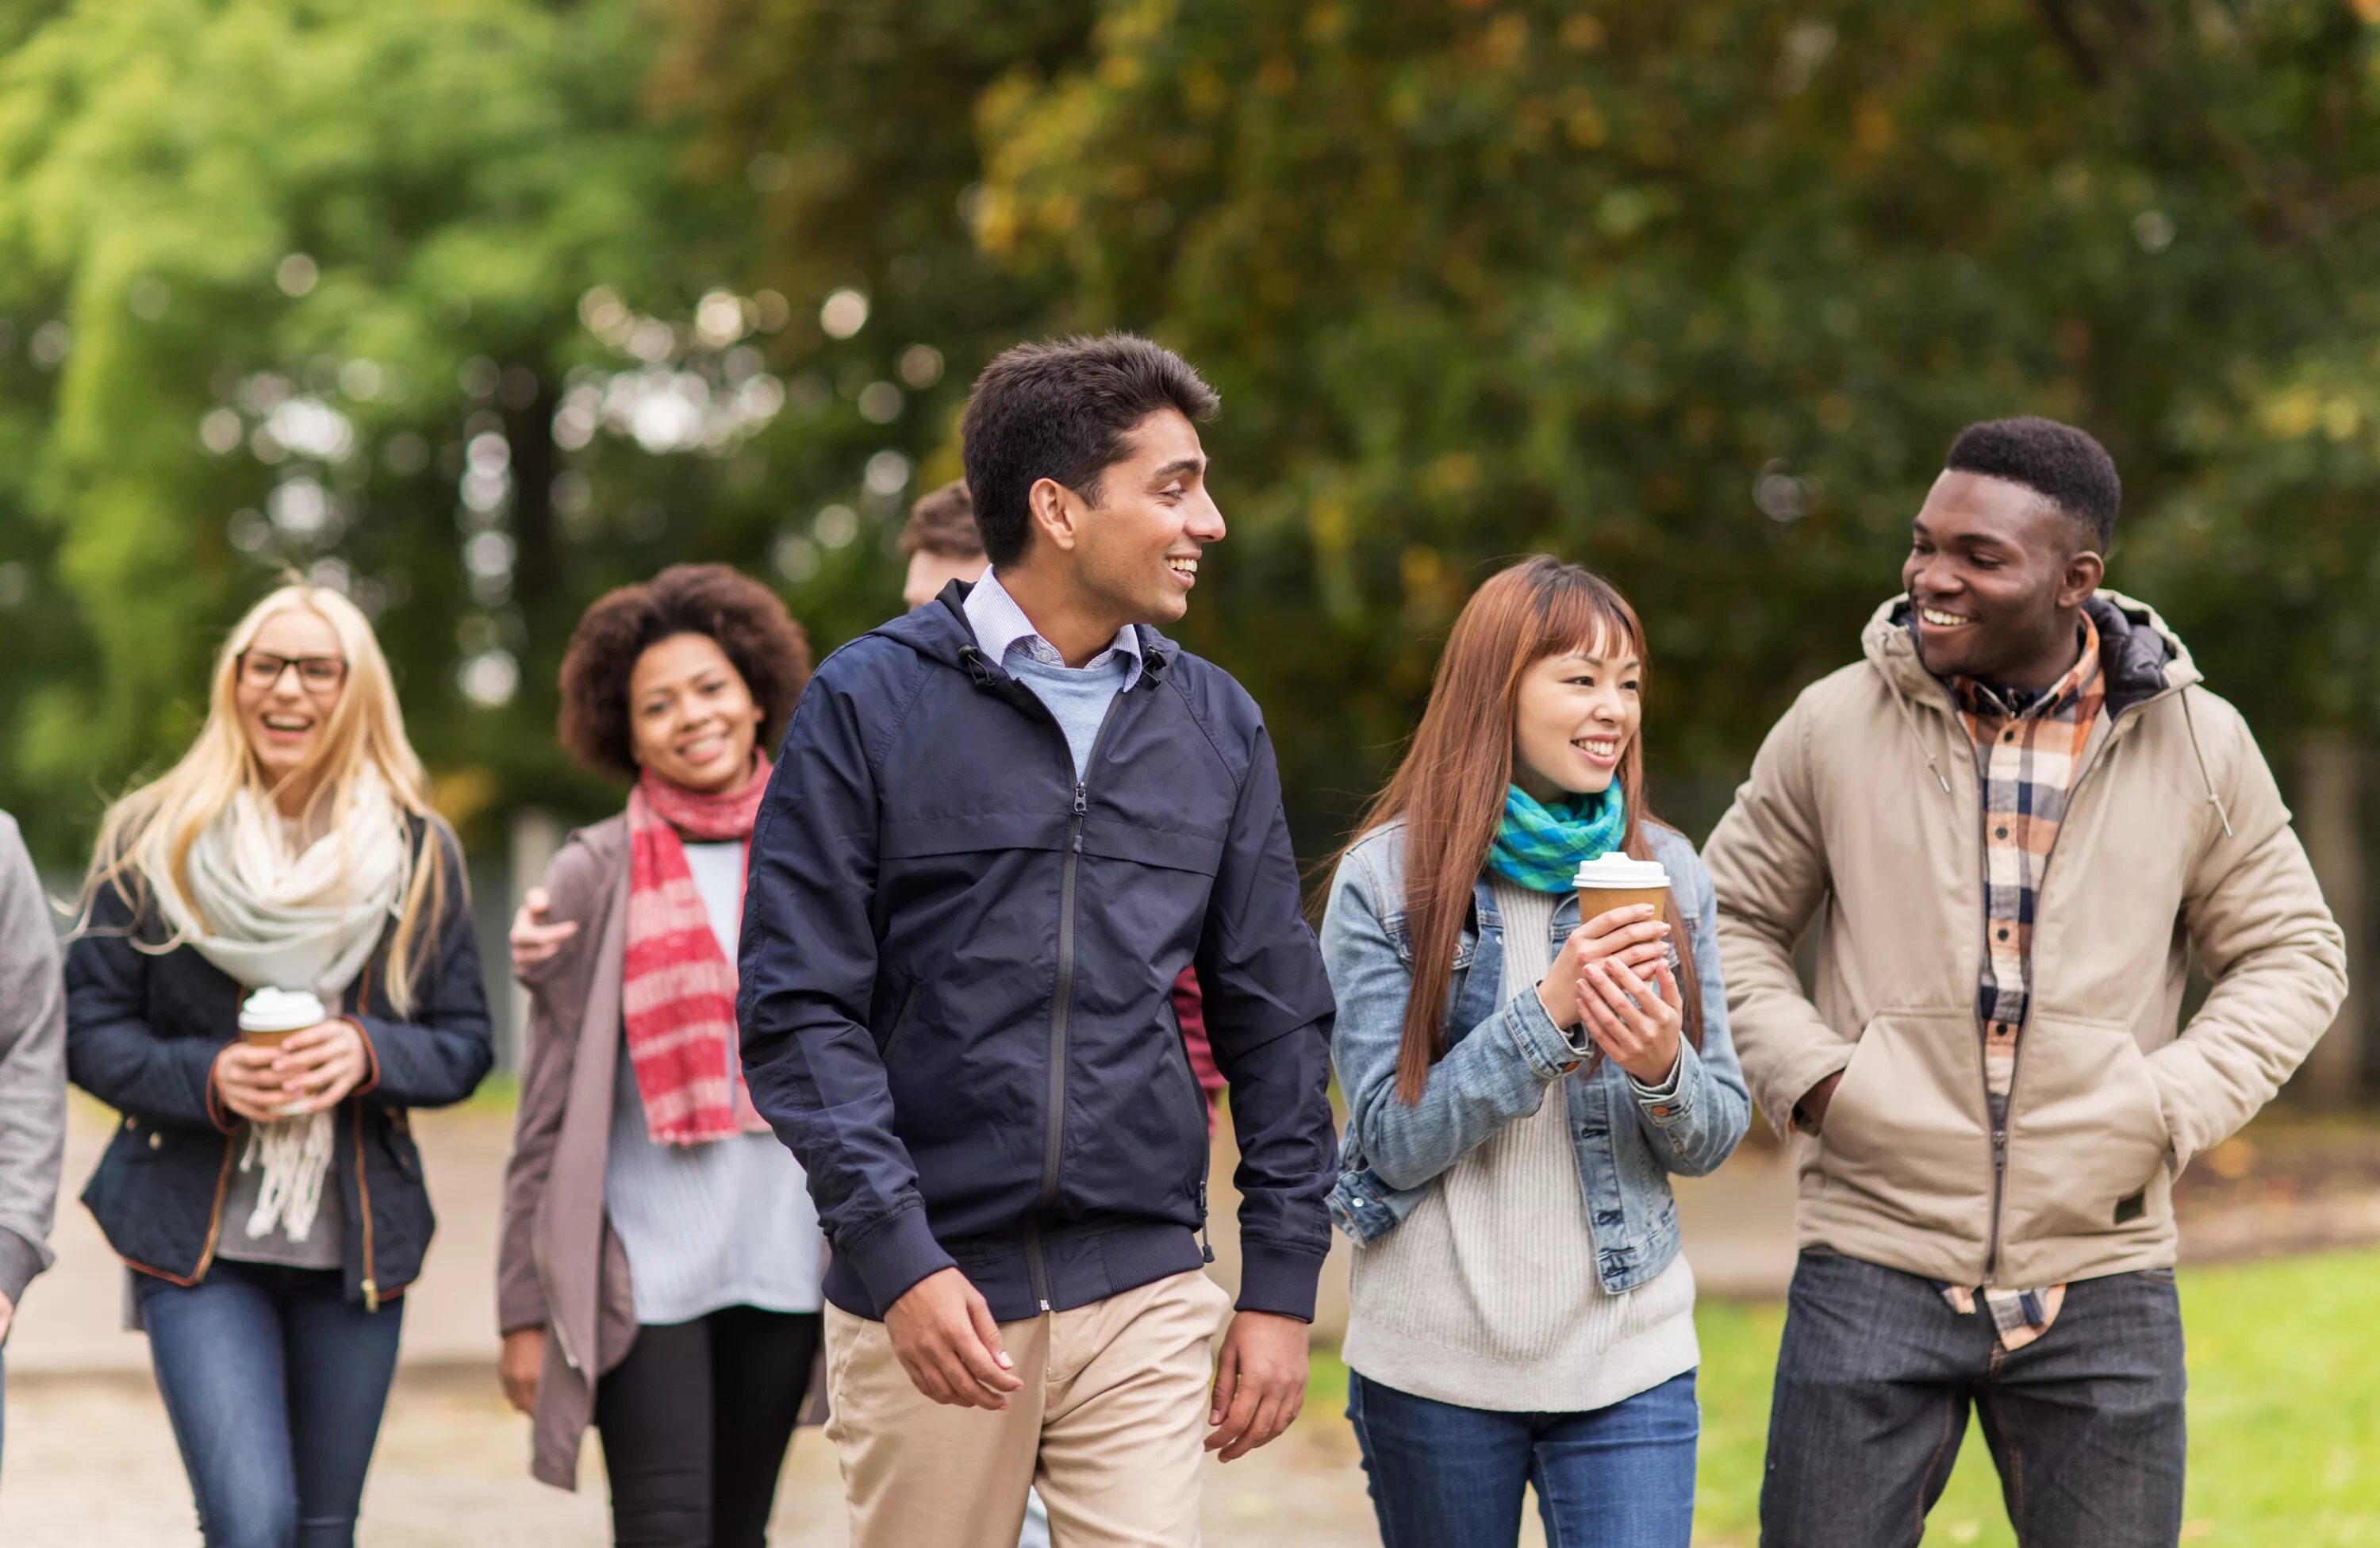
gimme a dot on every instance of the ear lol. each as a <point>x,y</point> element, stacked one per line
<point>1056,514</point>
<point>2085,571</point>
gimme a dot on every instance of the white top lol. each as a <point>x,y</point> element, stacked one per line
<point>1487,1295</point>
<point>725,1223</point>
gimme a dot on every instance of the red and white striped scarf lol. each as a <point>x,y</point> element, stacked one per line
<point>677,990</point>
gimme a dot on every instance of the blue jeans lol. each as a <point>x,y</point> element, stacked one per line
<point>274,1382</point>
<point>1874,1383</point>
<point>1443,1476</point>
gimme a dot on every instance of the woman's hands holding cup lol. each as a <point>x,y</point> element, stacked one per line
<point>1634,1016</point>
<point>308,1071</point>
<point>1634,937</point>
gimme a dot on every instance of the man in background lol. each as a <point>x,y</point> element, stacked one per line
<point>942,545</point>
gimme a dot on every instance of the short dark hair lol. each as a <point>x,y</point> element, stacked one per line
<point>1060,410</point>
<point>744,617</point>
<point>2063,465</point>
<point>942,523</point>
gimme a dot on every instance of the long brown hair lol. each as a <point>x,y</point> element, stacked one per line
<point>1449,786</point>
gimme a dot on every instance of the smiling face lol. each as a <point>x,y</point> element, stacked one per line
<point>1135,553</point>
<point>284,685</point>
<point>1575,718</point>
<point>692,719</point>
<point>1996,574</point>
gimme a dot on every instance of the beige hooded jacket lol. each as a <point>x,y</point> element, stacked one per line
<point>1864,811</point>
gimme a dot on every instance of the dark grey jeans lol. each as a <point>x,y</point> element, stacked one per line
<point>1873,1387</point>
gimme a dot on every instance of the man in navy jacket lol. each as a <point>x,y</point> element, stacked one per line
<point>999,829</point>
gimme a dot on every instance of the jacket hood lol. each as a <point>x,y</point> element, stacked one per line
<point>2143,657</point>
<point>938,630</point>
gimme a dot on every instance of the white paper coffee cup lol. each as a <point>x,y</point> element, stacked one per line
<point>1613,881</point>
<point>269,1015</point>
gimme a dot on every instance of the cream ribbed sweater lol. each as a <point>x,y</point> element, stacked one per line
<point>1487,1295</point>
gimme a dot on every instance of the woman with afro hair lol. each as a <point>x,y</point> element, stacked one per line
<point>658,1273</point>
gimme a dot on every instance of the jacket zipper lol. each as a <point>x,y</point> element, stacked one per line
<point>2006,1120</point>
<point>1053,1139</point>
<point>369,1285</point>
<point>215,1213</point>
<point>363,1191</point>
<point>1199,1113</point>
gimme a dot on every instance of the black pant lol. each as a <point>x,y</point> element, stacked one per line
<point>696,1422</point>
<point>1873,1387</point>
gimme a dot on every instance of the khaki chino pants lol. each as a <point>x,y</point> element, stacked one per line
<point>1108,1426</point>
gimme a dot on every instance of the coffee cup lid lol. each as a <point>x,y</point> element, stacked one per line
<point>1616,869</point>
<point>278,1010</point>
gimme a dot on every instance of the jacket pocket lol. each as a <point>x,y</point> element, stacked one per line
<point>1905,1134</point>
<point>2086,1130</point>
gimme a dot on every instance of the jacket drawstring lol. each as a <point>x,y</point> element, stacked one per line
<point>1933,766</point>
<point>2200,754</point>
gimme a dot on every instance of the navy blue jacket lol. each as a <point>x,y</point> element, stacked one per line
<point>143,1032</point>
<point>956,975</point>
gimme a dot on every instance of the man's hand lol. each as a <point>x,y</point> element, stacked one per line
<point>1259,1383</point>
<point>1810,1113</point>
<point>534,941</point>
<point>944,1335</point>
<point>518,1366</point>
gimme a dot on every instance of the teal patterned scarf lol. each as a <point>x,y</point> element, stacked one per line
<point>1540,847</point>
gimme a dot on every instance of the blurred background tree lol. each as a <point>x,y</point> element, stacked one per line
<point>478,307</point>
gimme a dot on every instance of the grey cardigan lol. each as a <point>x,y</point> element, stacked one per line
<point>559,1265</point>
<point>32,1068</point>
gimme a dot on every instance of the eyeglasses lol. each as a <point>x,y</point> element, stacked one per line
<point>315,674</point>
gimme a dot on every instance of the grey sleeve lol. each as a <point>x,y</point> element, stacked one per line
<point>32,1068</point>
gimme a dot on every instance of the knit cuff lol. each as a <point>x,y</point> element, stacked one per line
<point>899,1252</point>
<point>1278,1279</point>
<point>20,1261</point>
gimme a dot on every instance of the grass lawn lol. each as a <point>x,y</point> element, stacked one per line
<point>2284,1413</point>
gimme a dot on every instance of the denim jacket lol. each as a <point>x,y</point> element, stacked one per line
<point>1499,1059</point>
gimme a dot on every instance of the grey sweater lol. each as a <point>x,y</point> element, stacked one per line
<point>32,1068</point>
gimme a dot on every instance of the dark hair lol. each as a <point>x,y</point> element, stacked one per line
<point>1061,410</point>
<point>745,618</point>
<point>2061,464</point>
<point>943,523</point>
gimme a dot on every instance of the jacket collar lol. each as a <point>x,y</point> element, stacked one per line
<point>2143,659</point>
<point>941,633</point>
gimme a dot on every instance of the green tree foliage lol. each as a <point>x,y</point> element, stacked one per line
<point>1696,295</point>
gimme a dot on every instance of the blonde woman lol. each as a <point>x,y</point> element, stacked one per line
<point>268,1199</point>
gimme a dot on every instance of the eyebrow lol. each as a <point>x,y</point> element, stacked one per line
<point>1179,466</point>
<point>1597,661</point>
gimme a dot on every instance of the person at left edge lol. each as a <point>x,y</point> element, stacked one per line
<point>1000,828</point>
<point>32,1074</point>
<point>269,1202</point>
